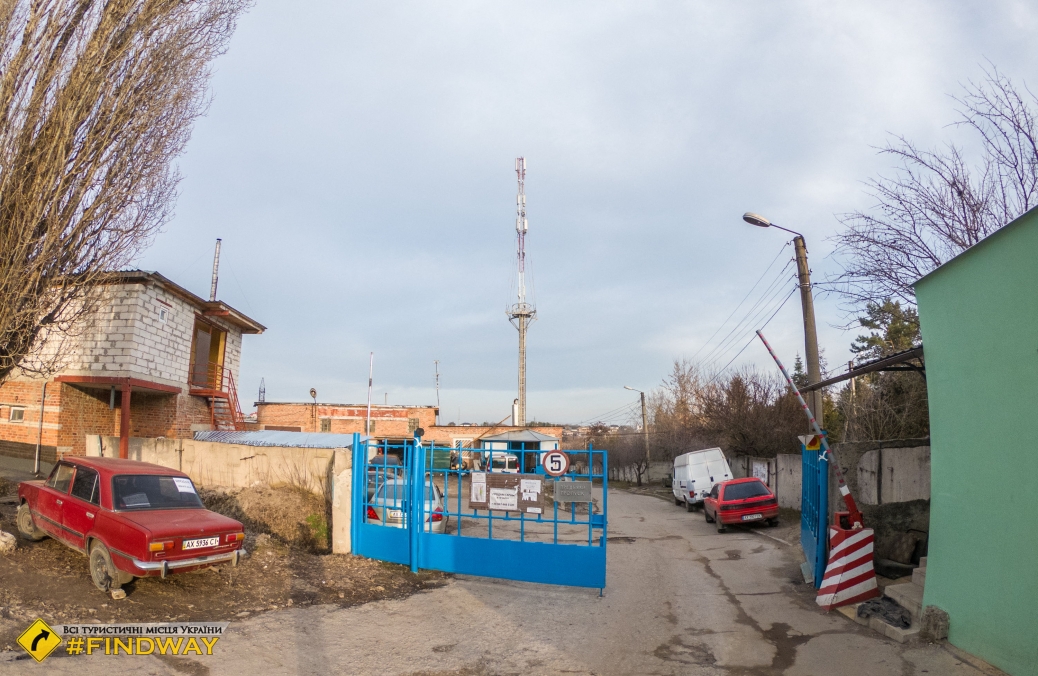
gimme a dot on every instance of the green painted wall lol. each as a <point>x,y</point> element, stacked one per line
<point>979,316</point>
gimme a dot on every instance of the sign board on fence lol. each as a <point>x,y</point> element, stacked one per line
<point>507,492</point>
<point>573,491</point>
<point>760,471</point>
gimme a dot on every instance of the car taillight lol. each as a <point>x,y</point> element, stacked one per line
<point>372,514</point>
<point>160,546</point>
<point>234,537</point>
<point>437,515</point>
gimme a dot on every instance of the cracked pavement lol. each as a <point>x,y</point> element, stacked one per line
<point>681,599</point>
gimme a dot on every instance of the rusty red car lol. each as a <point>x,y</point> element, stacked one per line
<point>740,501</point>
<point>131,519</point>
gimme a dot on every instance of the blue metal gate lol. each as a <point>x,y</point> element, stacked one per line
<point>411,506</point>
<point>814,511</point>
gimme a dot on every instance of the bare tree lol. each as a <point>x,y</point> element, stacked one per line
<point>938,203</point>
<point>96,100</point>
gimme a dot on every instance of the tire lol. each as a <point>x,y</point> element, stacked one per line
<point>26,525</point>
<point>690,506</point>
<point>773,522</point>
<point>706,515</point>
<point>677,501</point>
<point>721,528</point>
<point>103,572</point>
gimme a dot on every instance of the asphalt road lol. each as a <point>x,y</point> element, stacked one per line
<point>681,599</point>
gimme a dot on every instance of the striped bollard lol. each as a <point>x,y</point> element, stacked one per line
<point>850,576</point>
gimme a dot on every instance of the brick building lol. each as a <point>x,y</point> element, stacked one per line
<point>154,360</point>
<point>387,422</point>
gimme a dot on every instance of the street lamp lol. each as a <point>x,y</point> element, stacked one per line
<point>814,371</point>
<point>645,428</point>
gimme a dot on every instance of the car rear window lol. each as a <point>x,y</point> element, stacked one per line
<point>750,489</point>
<point>150,491</point>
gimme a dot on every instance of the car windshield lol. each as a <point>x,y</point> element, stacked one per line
<point>150,491</point>
<point>396,490</point>
<point>750,489</point>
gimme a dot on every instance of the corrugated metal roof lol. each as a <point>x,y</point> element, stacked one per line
<point>279,438</point>
<point>523,435</point>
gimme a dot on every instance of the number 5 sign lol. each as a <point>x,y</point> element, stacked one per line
<point>555,463</point>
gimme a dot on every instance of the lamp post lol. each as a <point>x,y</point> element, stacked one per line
<point>814,371</point>
<point>645,429</point>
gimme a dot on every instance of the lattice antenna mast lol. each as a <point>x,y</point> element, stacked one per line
<point>522,313</point>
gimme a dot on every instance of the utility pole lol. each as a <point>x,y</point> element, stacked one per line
<point>522,313</point>
<point>436,363</point>
<point>371,370</point>
<point>645,429</point>
<point>807,303</point>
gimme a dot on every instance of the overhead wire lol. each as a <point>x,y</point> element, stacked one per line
<point>764,307</point>
<point>763,274</point>
<point>769,294</point>
<point>748,342</point>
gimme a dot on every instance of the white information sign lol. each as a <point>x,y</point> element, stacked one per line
<point>504,498</point>
<point>760,471</point>
<point>183,485</point>
<point>479,487</point>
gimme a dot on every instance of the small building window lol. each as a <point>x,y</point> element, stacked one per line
<point>163,315</point>
<point>326,424</point>
<point>412,425</point>
<point>17,414</point>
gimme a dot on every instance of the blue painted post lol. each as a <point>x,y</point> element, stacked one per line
<point>360,488</point>
<point>416,517</point>
<point>821,555</point>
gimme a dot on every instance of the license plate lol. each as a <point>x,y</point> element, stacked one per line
<point>200,543</point>
<point>396,514</point>
<point>752,517</point>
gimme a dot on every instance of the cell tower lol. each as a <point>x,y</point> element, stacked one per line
<point>263,390</point>
<point>522,313</point>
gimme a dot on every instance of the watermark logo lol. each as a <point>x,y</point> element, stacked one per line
<point>39,640</point>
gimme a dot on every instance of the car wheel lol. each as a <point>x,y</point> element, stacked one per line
<point>689,506</point>
<point>26,526</point>
<point>677,501</point>
<point>720,524</point>
<point>706,515</point>
<point>103,572</point>
<point>773,522</point>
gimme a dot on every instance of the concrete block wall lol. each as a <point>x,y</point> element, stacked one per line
<point>889,475</point>
<point>326,472</point>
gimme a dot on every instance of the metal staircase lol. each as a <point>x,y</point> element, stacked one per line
<point>216,384</point>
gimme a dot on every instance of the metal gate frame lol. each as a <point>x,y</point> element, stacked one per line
<point>814,511</point>
<point>579,565</point>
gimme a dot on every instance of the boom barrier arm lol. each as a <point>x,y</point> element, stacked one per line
<point>854,514</point>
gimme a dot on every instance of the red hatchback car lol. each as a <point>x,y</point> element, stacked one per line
<point>740,501</point>
<point>132,519</point>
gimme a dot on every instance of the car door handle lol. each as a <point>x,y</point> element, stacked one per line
<point>90,515</point>
<point>59,502</point>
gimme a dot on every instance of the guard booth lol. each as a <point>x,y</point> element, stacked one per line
<point>549,526</point>
<point>526,445</point>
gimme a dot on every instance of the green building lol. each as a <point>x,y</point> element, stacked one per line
<point>979,316</point>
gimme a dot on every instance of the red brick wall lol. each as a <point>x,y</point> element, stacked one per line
<point>190,411</point>
<point>85,412</point>
<point>22,393</point>
<point>444,434</point>
<point>391,421</point>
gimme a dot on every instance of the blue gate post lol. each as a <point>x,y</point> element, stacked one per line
<point>360,487</point>
<point>415,513</point>
<point>814,514</point>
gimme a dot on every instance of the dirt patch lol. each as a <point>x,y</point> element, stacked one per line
<point>291,515</point>
<point>49,580</point>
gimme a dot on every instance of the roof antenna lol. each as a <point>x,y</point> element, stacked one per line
<point>216,272</point>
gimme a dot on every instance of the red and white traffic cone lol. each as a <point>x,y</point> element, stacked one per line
<point>850,576</point>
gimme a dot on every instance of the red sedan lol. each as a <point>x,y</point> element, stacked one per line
<point>740,501</point>
<point>132,519</point>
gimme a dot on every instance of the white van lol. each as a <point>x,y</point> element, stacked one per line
<point>506,463</point>
<point>695,474</point>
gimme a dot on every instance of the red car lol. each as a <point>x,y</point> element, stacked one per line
<point>740,501</point>
<point>132,519</point>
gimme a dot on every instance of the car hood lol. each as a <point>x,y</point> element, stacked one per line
<point>182,522</point>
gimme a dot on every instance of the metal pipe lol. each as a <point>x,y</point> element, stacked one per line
<point>371,371</point>
<point>124,422</point>
<point>852,507</point>
<point>39,435</point>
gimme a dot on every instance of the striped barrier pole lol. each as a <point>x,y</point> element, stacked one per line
<point>853,513</point>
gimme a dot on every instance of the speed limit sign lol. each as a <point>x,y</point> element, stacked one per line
<point>555,463</point>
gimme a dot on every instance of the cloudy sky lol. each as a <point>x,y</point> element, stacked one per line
<point>358,162</point>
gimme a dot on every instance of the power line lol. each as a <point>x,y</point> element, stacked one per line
<point>766,270</point>
<point>743,349</point>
